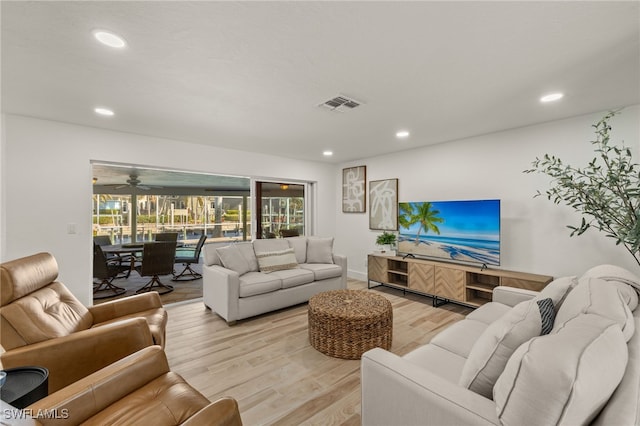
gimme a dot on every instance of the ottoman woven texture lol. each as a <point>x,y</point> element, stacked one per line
<point>347,323</point>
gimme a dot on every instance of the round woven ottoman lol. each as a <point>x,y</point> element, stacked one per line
<point>347,323</point>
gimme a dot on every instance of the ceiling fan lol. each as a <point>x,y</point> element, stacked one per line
<point>134,182</point>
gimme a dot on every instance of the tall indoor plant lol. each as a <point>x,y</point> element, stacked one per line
<point>606,192</point>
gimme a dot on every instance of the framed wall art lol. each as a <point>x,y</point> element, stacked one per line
<point>354,191</point>
<point>383,204</point>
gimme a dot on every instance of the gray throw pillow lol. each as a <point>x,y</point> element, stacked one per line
<point>232,258</point>
<point>320,250</point>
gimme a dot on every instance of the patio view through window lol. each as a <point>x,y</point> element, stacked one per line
<point>219,217</point>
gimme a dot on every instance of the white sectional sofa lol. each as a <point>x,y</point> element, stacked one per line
<point>496,367</point>
<point>245,279</point>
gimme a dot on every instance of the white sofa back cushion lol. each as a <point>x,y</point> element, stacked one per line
<point>496,344</point>
<point>299,246</point>
<point>320,250</point>
<point>246,249</point>
<point>562,378</point>
<point>269,244</point>
<point>596,296</point>
<point>232,258</point>
<point>626,281</point>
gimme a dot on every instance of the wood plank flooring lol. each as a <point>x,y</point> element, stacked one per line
<point>267,364</point>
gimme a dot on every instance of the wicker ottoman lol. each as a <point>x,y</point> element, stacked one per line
<point>347,323</point>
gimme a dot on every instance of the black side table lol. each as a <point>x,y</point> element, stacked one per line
<point>25,385</point>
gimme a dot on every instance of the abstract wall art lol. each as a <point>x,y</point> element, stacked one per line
<point>383,204</point>
<point>354,191</point>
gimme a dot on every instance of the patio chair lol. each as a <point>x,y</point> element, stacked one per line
<point>167,236</point>
<point>115,259</point>
<point>106,272</point>
<point>42,323</point>
<point>188,256</point>
<point>157,259</point>
<point>284,233</point>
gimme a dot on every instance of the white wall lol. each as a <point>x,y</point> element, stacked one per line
<point>46,178</point>
<point>534,234</point>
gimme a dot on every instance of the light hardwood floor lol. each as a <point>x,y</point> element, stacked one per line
<point>267,364</point>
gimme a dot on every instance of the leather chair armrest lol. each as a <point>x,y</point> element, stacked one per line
<point>77,355</point>
<point>94,393</point>
<point>125,306</point>
<point>223,412</point>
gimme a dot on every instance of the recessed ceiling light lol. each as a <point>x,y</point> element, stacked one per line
<point>109,39</point>
<point>551,97</point>
<point>327,153</point>
<point>402,134</point>
<point>104,111</point>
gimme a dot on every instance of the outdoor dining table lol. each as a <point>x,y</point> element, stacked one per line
<point>132,249</point>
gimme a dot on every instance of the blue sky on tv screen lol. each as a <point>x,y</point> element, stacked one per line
<point>474,219</point>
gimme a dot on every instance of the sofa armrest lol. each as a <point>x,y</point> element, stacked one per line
<point>341,260</point>
<point>221,291</point>
<point>223,412</point>
<point>394,391</point>
<point>94,393</point>
<point>126,306</point>
<point>511,296</point>
<point>77,355</point>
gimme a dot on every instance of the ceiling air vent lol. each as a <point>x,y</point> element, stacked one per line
<point>340,103</point>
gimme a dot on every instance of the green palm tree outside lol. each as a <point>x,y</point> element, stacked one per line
<point>421,213</point>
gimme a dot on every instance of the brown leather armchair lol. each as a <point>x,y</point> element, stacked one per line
<point>42,323</point>
<point>139,389</point>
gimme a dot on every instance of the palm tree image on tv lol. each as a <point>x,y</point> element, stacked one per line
<point>421,213</point>
<point>461,231</point>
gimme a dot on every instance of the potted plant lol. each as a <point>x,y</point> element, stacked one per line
<point>386,240</point>
<point>606,192</point>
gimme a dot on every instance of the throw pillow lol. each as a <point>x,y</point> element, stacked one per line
<point>231,258</point>
<point>600,297</point>
<point>562,378</point>
<point>277,260</point>
<point>500,339</point>
<point>558,290</point>
<point>246,249</point>
<point>320,250</point>
<point>299,246</point>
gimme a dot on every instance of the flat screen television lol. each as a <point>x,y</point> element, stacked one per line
<point>466,231</point>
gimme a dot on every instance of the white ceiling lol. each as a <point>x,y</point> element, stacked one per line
<point>249,75</point>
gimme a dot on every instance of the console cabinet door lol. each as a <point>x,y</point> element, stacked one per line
<point>421,277</point>
<point>377,269</point>
<point>449,283</point>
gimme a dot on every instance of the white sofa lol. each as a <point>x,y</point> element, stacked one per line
<point>495,367</point>
<point>245,279</point>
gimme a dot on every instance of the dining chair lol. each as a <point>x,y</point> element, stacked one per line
<point>106,272</point>
<point>157,259</point>
<point>115,259</point>
<point>188,256</point>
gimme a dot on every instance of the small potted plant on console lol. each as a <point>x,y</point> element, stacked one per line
<point>387,242</point>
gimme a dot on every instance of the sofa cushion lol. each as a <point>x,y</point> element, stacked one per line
<point>539,387</point>
<point>596,296</point>
<point>460,337</point>
<point>437,360</point>
<point>494,347</point>
<point>627,282</point>
<point>246,249</point>
<point>294,277</point>
<point>253,283</point>
<point>232,258</point>
<point>278,260</point>
<point>489,312</point>
<point>623,408</point>
<point>269,244</point>
<point>558,289</point>
<point>323,271</point>
<point>320,250</point>
<point>210,255</point>
<point>299,246</point>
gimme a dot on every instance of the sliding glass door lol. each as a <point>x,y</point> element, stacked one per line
<point>280,209</point>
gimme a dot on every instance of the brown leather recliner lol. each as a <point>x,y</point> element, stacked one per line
<point>139,389</point>
<point>42,323</point>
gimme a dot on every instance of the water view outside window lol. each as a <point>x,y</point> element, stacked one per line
<point>221,218</point>
<point>280,209</point>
